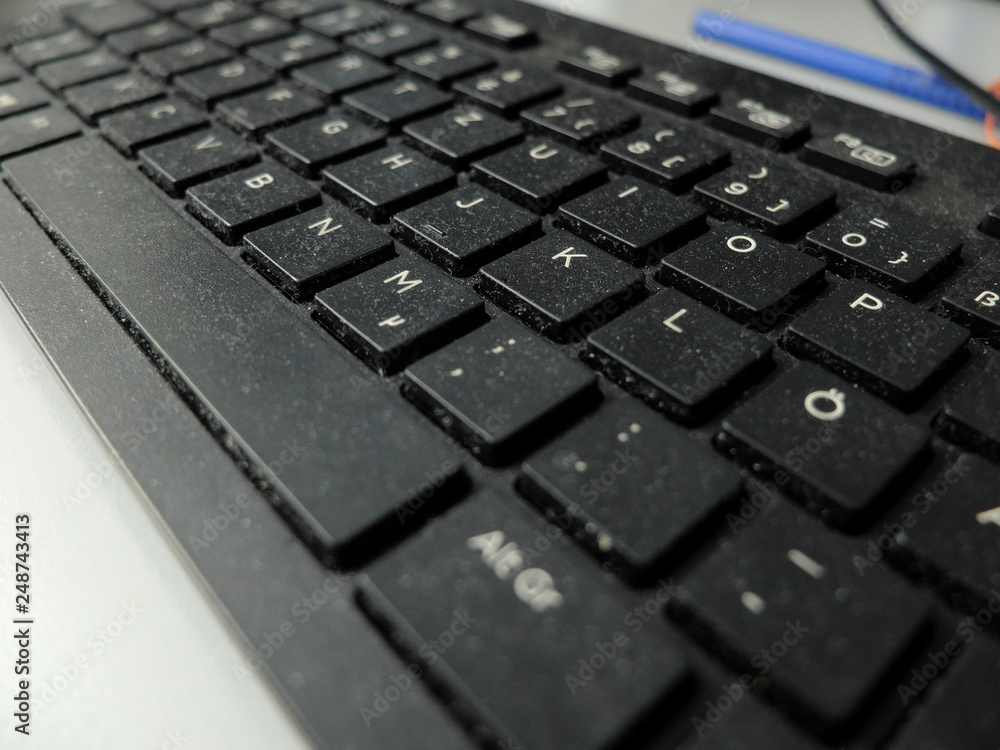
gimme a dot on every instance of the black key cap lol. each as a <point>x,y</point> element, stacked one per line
<point>673,92</point>
<point>775,200</point>
<point>896,349</point>
<point>679,356</point>
<point>745,275</point>
<point>102,18</point>
<point>971,418</point>
<point>974,300</point>
<point>51,48</point>
<point>182,162</point>
<point>315,249</point>
<point>784,594</point>
<point>991,222</point>
<point>539,174</point>
<point>292,9</point>
<point>500,29</point>
<point>386,181</point>
<point>310,145</point>
<point>9,71</point>
<point>500,390</point>
<point>256,113</point>
<point>397,101</point>
<point>180,58</point>
<point>562,286</point>
<point>171,6</point>
<point>478,576</point>
<point>635,488</point>
<point>129,131</point>
<point>448,11</point>
<point>395,313</point>
<point>746,726</point>
<point>466,227</point>
<point>233,205</point>
<point>33,129</point>
<point>394,39</point>
<point>598,65</point>
<point>581,119</point>
<point>21,97</point>
<point>462,134</point>
<point>208,85</point>
<point>847,155</point>
<point>668,155</point>
<point>146,38</point>
<point>91,100</point>
<point>446,62</point>
<point>830,444</point>
<point>509,89</point>
<point>754,121</point>
<point>215,14</point>
<point>283,54</point>
<point>894,248</point>
<point>266,377</point>
<point>249,31</point>
<point>80,69</point>
<point>633,220</point>
<point>341,74</point>
<point>347,20</point>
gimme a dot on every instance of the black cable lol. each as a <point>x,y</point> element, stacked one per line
<point>973,90</point>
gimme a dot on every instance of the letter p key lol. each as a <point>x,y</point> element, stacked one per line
<point>868,301</point>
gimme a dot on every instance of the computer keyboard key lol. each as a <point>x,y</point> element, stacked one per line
<point>260,111</point>
<point>342,74</point>
<point>754,121</point>
<point>283,54</point>
<point>308,146</point>
<point>22,96</point>
<point>446,62</point>
<point>678,355</point>
<point>208,85</point>
<point>80,69</point>
<point>264,376</point>
<point>783,593</point>
<point>91,100</point>
<point>466,227</point>
<point>562,286</point>
<point>399,311</point>
<point>146,38</point>
<point>581,119</point>
<point>214,14</point>
<point>848,156</point>
<point>254,30</point>
<point>346,20</point>
<point>139,127</point>
<point>745,726</point>
<point>991,222</point>
<point>501,30</point>
<point>894,248</point>
<point>180,58</point>
<point>386,181</point>
<point>633,220</point>
<point>398,101</point>
<point>974,300</point>
<point>386,42</point>
<point>316,249</point>
<point>673,92</point>
<point>744,274</point>
<point>598,65</point>
<point>518,621</point>
<point>56,47</point>
<point>776,200</point>
<point>668,155</point>
<point>539,174</point>
<point>971,417</point>
<point>172,6</point>
<point>291,10</point>
<point>500,390</point>
<point>102,18</point>
<point>899,351</point>
<point>9,71</point>
<point>33,129</point>
<point>636,489</point>
<point>462,134</point>
<point>234,204</point>
<point>509,88</point>
<point>179,163</point>
<point>448,11</point>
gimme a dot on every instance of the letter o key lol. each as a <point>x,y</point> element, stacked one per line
<point>746,244</point>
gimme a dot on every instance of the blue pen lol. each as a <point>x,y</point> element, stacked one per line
<point>899,79</point>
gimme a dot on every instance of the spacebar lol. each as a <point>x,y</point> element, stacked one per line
<point>343,457</point>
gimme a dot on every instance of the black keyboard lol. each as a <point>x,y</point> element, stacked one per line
<point>618,397</point>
